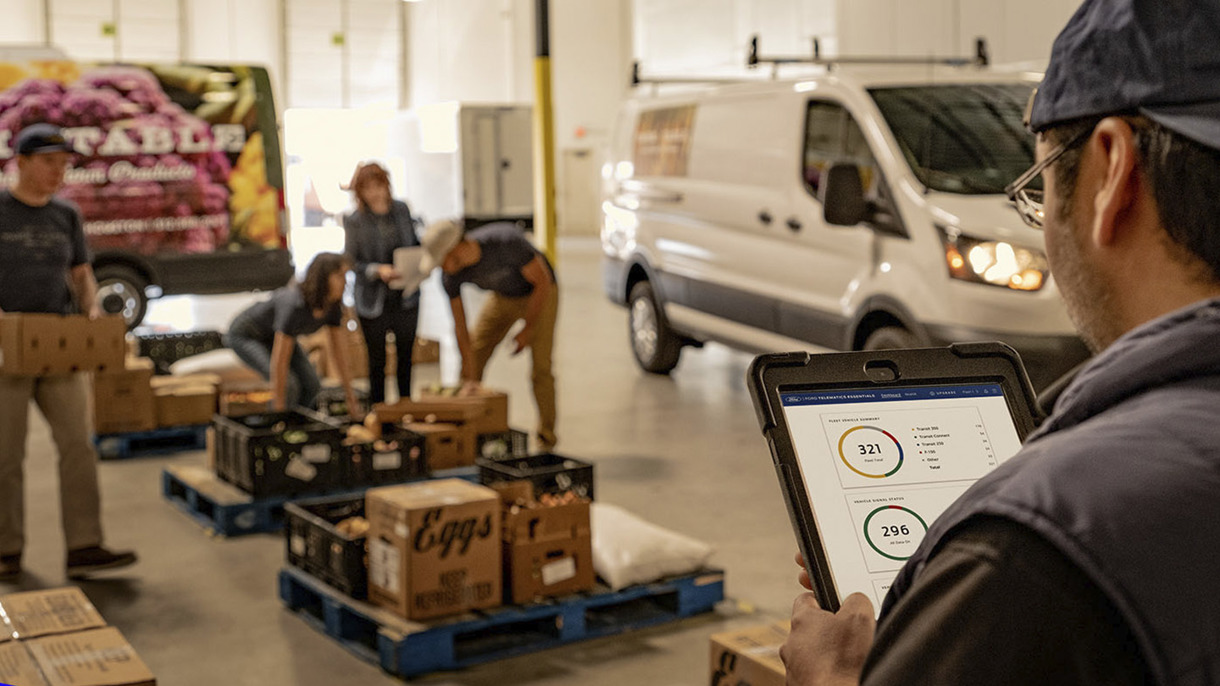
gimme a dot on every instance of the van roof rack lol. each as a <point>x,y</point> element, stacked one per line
<point>980,58</point>
<point>637,79</point>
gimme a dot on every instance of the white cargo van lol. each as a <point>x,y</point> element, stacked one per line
<point>861,208</point>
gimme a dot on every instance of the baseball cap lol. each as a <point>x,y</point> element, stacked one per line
<point>1158,57</point>
<point>39,138</point>
<point>439,238</point>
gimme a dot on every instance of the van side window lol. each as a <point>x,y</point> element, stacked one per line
<point>823,144</point>
<point>832,135</point>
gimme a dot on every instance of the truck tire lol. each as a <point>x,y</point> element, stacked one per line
<point>120,290</point>
<point>892,338</point>
<point>655,346</point>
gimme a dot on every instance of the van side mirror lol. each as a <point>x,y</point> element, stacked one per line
<point>842,195</point>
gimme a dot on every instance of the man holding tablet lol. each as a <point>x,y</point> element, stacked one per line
<point>1089,557</point>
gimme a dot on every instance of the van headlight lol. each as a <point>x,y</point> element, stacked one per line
<point>997,263</point>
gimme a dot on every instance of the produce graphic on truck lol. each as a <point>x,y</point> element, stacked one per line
<point>176,172</point>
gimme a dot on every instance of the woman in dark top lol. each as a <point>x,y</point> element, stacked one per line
<point>264,335</point>
<point>380,225</point>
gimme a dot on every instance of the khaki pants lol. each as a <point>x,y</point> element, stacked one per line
<point>496,317</point>
<point>65,402</point>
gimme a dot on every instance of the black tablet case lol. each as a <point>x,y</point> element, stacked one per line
<point>961,363</point>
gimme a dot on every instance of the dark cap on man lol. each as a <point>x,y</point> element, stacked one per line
<point>1158,58</point>
<point>40,138</point>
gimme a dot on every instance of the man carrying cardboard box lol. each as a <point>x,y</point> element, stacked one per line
<point>44,267</point>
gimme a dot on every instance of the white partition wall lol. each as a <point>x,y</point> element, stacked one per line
<point>470,50</point>
<point>343,53</point>
<point>116,29</point>
<point>24,22</point>
<point>712,36</point>
<point>238,31</point>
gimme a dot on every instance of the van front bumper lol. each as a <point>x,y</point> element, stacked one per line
<point>1046,357</point>
<point>614,279</point>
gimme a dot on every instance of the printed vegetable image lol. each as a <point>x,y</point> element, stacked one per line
<point>156,150</point>
<point>254,203</point>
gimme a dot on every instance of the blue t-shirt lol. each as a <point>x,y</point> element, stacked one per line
<point>284,312</point>
<point>38,247</point>
<point>505,252</point>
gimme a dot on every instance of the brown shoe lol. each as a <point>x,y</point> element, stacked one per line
<point>85,561</point>
<point>10,567</point>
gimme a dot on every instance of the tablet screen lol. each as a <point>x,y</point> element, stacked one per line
<point>881,465</point>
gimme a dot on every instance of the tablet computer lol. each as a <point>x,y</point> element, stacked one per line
<point>871,447</point>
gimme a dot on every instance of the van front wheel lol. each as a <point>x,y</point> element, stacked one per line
<point>120,290</point>
<point>892,338</point>
<point>655,346</point>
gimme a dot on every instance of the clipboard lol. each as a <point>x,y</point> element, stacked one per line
<point>871,447</point>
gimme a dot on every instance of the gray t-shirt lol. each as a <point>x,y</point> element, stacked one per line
<point>284,312</point>
<point>38,247</point>
<point>505,252</point>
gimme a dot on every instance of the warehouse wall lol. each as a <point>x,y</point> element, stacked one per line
<point>1016,30</point>
<point>482,50</point>
<point>715,34</point>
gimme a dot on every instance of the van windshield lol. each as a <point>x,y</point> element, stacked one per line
<point>965,138</point>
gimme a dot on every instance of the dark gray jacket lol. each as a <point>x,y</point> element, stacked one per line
<point>364,244</point>
<point>1124,479</point>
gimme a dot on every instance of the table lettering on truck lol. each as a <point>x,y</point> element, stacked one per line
<point>176,167</point>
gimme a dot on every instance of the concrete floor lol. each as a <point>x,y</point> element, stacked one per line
<point>682,451</point>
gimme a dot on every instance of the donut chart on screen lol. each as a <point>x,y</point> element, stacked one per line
<point>894,531</point>
<point>870,451</point>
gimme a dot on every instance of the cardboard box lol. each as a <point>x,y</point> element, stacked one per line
<point>426,351</point>
<point>185,405</point>
<point>123,400</point>
<point>436,410</point>
<point>445,445</point>
<point>98,657</point>
<point>55,611</point>
<point>548,551</point>
<point>180,380</point>
<point>17,666</point>
<point>492,407</point>
<point>42,344</point>
<point>244,399</point>
<point>749,657</point>
<point>434,548</point>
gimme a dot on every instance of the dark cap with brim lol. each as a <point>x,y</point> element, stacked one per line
<point>40,138</point>
<point>1160,58</point>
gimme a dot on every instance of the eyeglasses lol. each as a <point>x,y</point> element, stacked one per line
<point>1029,200</point>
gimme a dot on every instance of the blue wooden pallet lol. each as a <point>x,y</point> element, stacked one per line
<point>406,649</point>
<point>173,439</point>
<point>225,510</point>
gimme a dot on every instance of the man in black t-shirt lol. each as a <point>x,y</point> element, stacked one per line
<point>44,267</point>
<point>498,258</point>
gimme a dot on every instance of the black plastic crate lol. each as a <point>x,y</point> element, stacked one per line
<point>164,349</point>
<point>399,456</point>
<point>280,453</point>
<point>332,402</point>
<point>549,472</point>
<point>502,445</point>
<point>318,547</point>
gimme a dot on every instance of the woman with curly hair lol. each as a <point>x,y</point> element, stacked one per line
<point>374,231</point>
<point>264,335</point>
